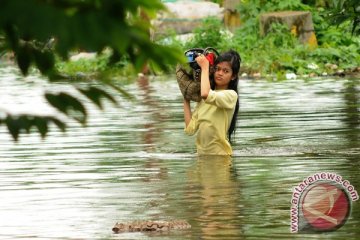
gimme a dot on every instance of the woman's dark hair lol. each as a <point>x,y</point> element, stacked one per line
<point>234,59</point>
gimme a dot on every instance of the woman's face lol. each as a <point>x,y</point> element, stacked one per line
<point>223,75</point>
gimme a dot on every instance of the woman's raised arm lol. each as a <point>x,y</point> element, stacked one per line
<point>187,112</point>
<point>205,81</point>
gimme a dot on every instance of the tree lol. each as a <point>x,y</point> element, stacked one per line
<point>346,10</point>
<point>29,27</point>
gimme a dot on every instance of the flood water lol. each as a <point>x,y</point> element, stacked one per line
<point>134,162</point>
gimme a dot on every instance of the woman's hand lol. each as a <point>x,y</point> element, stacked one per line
<point>203,62</point>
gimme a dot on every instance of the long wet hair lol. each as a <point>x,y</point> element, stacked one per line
<point>234,59</point>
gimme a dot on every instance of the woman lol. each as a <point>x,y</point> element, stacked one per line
<point>214,118</point>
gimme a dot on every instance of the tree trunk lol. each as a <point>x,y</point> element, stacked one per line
<point>231,14</point>
<point>299,23</point>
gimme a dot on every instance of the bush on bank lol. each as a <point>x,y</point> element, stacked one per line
<point>279,52</point>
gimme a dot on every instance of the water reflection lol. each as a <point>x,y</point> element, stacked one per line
<point>152,113</point>
<point>351,111</point>
<point>351,121</point>
<point>151,133</point>
<point>219,214</point>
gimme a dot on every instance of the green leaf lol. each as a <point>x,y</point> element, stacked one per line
<point>24,123</point>
<point>61,125</point>
<point>68,105</point>
<point>23,57</point>
<point>41,124</point>
<point>95,94</point>
<point>122,91</point>
<point>11,36</point>
<point>13,126</point>
<point>44,60</point>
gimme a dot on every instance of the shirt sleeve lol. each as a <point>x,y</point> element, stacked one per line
<point>193,125</point>
<point>222,99</point>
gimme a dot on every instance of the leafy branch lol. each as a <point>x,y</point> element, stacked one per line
<point>49,28</point>
<point>346,10</point>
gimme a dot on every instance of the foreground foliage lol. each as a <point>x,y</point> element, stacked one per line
<point>345,10</point>
<point>37,31</point>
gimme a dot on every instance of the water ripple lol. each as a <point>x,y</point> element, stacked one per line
<point>135,162</point>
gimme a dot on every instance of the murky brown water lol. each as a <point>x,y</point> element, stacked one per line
<point>135,163</point>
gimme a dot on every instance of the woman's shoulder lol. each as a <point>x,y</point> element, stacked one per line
<point>224,90</point>
<point>229,92</point>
